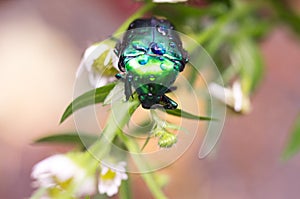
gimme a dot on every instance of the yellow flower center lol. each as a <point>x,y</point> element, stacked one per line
<point>60,188</point>
<point>99,67</point>
<point>109,175</point>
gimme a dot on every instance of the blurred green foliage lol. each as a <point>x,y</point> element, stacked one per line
<point>293,145</point>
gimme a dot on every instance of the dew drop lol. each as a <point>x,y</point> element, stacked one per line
<point>143,60</point>
<point>151,78</point>
<point>162,30</point>
<point>157,49</point>
<point>172,44</point>
<point>163,66</point>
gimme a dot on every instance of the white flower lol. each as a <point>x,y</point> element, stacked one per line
<point>232,97</point>
<point>111,177</point>
<point>99,73</point>
<point>59,171</point>
<point>169,1</point>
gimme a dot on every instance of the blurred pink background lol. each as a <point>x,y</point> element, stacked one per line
<point>41,43</point>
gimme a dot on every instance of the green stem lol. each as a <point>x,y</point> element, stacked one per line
<point>125,190</point>
<point>120,115</point>
<point>142,166</point>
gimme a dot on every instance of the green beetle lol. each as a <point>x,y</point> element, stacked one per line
<point>151,56</point>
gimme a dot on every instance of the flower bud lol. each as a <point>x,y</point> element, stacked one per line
<point>167,140</point>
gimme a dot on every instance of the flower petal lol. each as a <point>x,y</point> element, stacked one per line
<point>110,183</point>
<point>108,58</point>
<point>237,96</point>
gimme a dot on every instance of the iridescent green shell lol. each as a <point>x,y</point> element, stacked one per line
<point>151,55</point>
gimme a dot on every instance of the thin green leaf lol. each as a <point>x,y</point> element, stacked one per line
<point>94,96</point>
<point>293,145</point>
<point>254,71</point>
<point>146,142</point>
<point>176,127</point>
<point>184,114</point>
<point>144,128</point>
<point>116,94</point>
<point>247,59</point>
<point>83,140</point>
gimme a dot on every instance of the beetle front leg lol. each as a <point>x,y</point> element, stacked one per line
<point>168,103</point>
<point>128,89</point>
<point>171,89</point>
<point>127,80</point>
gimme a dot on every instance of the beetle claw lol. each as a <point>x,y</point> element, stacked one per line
<point>168,103</point>
<point>171,89</point>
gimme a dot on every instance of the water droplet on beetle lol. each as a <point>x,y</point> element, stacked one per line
<point>151,78</point>
<point>157,49</point>
<point>162,30</point>
<point>163,66</point>
<point>143,60</point>
<point>172,44</point>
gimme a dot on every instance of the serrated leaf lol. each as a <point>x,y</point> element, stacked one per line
<point>94,96</point>
<point>184,114</point>
<point>83,140</point>
<point>293,145</point>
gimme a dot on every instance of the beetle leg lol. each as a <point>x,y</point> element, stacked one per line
<point>119,76</point>
<point>127,80</point>
<point>168,103</point>
<point>121,63</point>
<point>171,89</point>
<point>128,89</point>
